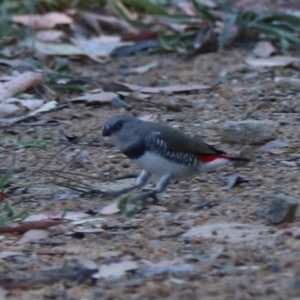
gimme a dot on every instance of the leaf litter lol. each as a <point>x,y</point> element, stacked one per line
<point>218,251</point>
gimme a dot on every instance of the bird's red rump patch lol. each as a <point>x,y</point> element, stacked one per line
<point>206,158</point>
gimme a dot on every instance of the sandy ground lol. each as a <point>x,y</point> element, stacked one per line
<point>233,252</point>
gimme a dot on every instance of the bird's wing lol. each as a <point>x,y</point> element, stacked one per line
<point>179,142</point>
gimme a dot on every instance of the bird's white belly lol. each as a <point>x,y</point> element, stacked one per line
<point>158,165</point>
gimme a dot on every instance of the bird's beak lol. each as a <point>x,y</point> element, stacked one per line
<point>106,130</point>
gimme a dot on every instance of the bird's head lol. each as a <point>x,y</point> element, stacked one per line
<point>123,130</point>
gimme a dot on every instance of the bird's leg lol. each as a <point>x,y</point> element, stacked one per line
<point>159,188</point>
<point>162,184</point>
<point>141,181</point>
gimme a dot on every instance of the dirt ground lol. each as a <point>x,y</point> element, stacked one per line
<point>236,253</point>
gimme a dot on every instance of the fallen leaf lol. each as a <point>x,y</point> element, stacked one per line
<point>156,208</point>
<point>56,49</point>
<point>49,36</point>
<point>19,84</point>
<point>7,109</point>
<point>116,269</point>
<point>149,118</point>
<point>105,97</point>
<point>65,139</point>
<point>264,49</point>
<point>114,24</point>
<point>284,150</point>
<point>101,46</point>
<point>135,95</point>
<point>5,254</point>
<point>30,104</point>
<point>142,69</point>
<point>33,235</point>
<point>110,209</point>
<point>57,215</point>
<point>167,89</point>
<point>291,80</point>
<point>23,227</point>
<point>272,145</point>
<point>15,63</point>
<point>165,263</point>
<point>274,61</point>
<point>48,20</point>
<point>45,107</point>
<point>89,220</point>
<point>233,180</point>
<point>288,163</point>
<point>175,268</point>
<point>88,230</point>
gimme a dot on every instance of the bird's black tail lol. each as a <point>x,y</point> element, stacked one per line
<point>234,158</point>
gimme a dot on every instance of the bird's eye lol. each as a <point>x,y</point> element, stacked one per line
<point>119,124</point>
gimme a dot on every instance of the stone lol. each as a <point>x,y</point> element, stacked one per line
<point>282,209</point>
<point>248,132</point>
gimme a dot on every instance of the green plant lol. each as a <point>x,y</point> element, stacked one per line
<point>7,212</point>
<point>127,208</point>
<point>283,28</point>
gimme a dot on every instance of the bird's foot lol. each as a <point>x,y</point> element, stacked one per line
<point>133,203</point>
<point>151,194</point>
<point>121,192</point>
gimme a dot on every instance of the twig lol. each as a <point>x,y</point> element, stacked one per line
<point>66,147</point>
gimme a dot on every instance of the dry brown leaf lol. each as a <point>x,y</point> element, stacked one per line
<point>57,215</point>
<point>102,46</point>
<point>33,235</point>
<point>88,230</point>
<point>149,118</point>
<point>154,90</point>
<point>45,21</point>
<point>45,107</point>
<point>135,95</point>
<point>30,104</point>
<point>3,293</point>
<point>274,61</point>
<point>116,269</point>
<point>288,163</point>
<point>23,227</point>
<point>156,208</point>
<point>142,69</point>
<point>274,146</point>
<point>110,209</point>
<point>104,97</point>
<point>283,150</point>
<point>5,254</point>
<point>15,63</point>
<point>114,24</point>
<point>264,49</point>
<point>19,84</point>
<point>164,263</point>
<point>56,49</point>
<point>49,36</point>
<point>7,109</point>
<point>233,180</point>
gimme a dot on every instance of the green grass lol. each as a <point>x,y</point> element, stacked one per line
<point>34,143</point>
<point>7,212</point>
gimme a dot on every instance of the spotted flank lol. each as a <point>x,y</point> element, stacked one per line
<point>155,144</point>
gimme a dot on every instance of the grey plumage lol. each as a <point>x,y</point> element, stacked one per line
<point>162,150</point>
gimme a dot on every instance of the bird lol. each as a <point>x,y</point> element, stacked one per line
<point>163,150</point>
